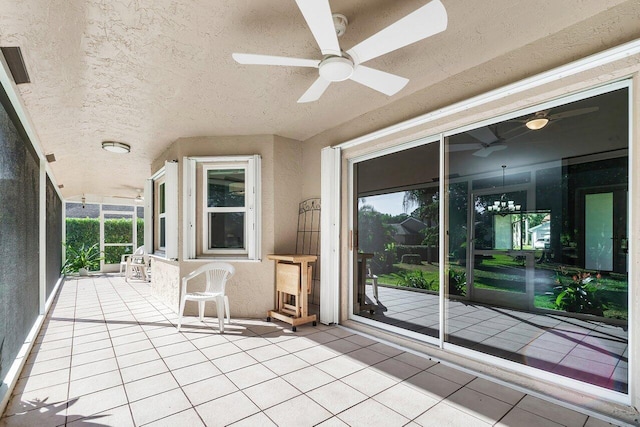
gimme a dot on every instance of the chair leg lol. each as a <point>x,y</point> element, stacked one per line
<point>375,287</point>
<point>227,312</point>
<point>181,313</point>
<point>201,310</point>
<point>220,311</point>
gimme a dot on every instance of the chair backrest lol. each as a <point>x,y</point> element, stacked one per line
<point>217,274</point>
<point>139,256</point>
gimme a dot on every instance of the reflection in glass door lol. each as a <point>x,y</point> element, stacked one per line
<point>501,255</point>
<point>548,286</point>
<point>396,240</point>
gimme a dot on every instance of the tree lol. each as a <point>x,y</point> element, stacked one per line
<point>376,236</point>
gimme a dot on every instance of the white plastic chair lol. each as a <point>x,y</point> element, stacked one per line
<point>374,282</point>
<point>136,263</point>
<point>217,274</point>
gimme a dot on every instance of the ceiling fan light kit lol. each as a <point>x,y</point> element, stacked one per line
<point>337,65</point>
<point>336,69</point>
<point>537,123</point>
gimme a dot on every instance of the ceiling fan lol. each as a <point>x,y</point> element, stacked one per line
<point>138,199</point>
<point>337,65</point>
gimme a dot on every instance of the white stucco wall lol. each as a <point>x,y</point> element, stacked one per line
<point>251,291</point>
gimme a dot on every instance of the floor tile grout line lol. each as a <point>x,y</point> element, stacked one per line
<point>98,296</point>
<point>172,375</point>
<point>66,411</point>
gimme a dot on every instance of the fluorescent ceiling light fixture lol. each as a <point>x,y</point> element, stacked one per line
<point>537,123</point>
<point>116,147</point>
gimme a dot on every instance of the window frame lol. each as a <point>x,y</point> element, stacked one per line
<point>159,188</point>
<point>194,227</point>
<point>206,209</point>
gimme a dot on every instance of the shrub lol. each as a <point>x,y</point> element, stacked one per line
<point>578,294</point>
<point>414,279</point>
<point>86,231</point>
<point>457,283</point>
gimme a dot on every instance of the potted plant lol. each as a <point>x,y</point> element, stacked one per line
<point>82,260</point>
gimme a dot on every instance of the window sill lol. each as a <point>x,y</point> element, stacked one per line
<point>211,259</point>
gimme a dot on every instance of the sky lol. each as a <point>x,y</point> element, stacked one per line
<point>388,203</point>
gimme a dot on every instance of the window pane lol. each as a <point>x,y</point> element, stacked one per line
<point>226,230</point>
<point>162,232</point>
<point>161,198</point>
<point>225,188</point>
<point>546,284</point>
<point>397,268</point>
<point>117,208</point>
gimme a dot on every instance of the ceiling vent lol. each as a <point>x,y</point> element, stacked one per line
<point>13,56</point>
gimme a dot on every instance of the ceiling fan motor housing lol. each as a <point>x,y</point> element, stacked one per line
<point>336,68</point>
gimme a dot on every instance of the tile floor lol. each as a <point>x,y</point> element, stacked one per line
<point>109,355</point>
<point>586,350</point>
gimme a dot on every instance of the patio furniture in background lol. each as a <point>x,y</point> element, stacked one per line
<point>136,264</point>
<point>216,274</point>
<point>374,282</point>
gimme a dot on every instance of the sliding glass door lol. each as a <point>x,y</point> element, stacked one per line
<point>535,232</point>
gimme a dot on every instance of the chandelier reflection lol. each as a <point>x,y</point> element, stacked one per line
<point>504,206</point>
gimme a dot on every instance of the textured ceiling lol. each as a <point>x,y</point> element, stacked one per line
<point>147,73</point>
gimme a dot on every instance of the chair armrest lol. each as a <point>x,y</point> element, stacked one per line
<point>190,276</point>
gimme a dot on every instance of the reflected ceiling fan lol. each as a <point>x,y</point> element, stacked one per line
<point>337,65</point>
<point>542,118</point>
<point>490,142</point>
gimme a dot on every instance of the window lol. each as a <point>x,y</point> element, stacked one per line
<point>161,212</point>
<point>160,208</point>
<point>225,209</point>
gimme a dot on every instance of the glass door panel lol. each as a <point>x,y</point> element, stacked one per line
<point>397,230</point>
<point>547,285</point>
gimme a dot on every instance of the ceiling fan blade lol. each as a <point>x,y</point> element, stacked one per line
<point>317,13</point>
<point>463,147</point>
<point>487,151</point>
<point>428,20</point>
<point>315,91</point>
<point>483,134</point>
<point>252,59</point>
<point>571,113</point>
<point>389,84</point>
